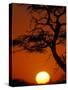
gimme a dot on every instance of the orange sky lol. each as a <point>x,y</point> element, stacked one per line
<point>26,65</point>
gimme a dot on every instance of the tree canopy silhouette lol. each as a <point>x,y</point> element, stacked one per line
<point>47,29</point>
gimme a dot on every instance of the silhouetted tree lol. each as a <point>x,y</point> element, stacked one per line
<point>48,29</point>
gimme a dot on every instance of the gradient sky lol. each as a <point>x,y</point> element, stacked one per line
<point>26,65</point>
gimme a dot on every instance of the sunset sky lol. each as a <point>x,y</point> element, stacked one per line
<point>26,65</point>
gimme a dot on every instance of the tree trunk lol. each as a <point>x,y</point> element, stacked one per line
<point>58,59</point>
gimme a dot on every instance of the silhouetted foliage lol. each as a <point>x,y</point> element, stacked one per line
<point>18,82</point>
<point>40,37</point>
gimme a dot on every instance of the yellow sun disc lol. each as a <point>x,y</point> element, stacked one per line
<point>42,77</point>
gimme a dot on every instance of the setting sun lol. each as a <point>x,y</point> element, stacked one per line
<point>42,77</point>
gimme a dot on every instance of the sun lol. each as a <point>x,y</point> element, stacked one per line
<point>42,77</point>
